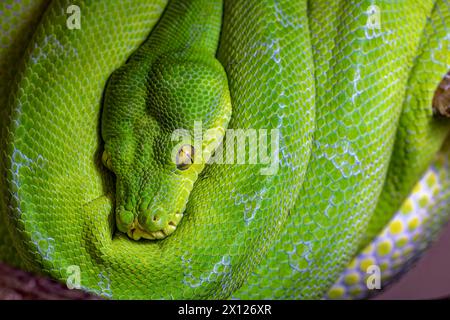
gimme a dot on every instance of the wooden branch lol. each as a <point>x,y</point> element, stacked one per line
<point>20,285</point>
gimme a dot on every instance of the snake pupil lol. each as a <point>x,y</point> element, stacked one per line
<point>185,157</point>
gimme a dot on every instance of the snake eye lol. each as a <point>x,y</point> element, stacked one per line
<point>185,157</point>
<point>106,159</point>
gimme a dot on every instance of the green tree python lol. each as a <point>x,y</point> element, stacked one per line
<point>339,94</point>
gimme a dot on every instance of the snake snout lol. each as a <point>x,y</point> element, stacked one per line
<point>155,220</point>
<point>157,223</point>
<point>154,223</point>
<point>149,223</point>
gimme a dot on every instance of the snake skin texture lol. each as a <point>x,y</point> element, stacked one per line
<point>402,241</point>
<point>346,85</point>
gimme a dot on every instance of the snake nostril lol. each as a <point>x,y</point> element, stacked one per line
<point>155,220</point>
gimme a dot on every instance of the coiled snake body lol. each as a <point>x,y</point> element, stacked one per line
<point>88,163</point>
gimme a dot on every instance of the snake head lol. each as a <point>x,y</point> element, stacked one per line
<point>144,105</point>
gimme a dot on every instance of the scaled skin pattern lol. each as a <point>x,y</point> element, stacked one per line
<point>104,180</point>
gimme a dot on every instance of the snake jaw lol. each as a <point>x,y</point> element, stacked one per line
<point>150,211</point>
<point>151,224</point>
<point>138,231</point>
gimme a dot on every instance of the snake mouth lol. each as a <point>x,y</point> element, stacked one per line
<point>137,231</point>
